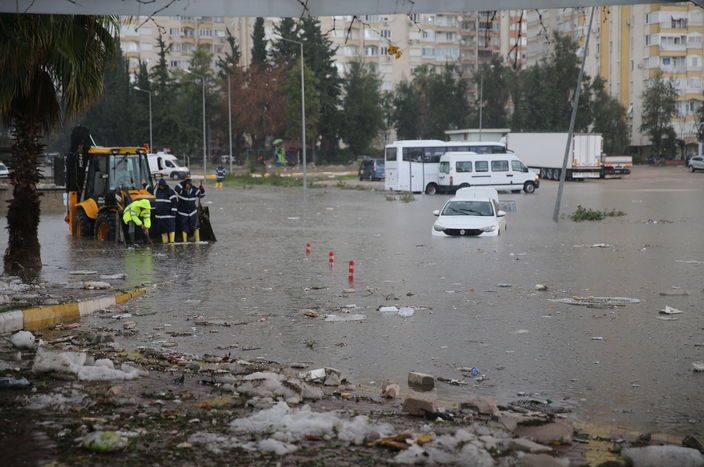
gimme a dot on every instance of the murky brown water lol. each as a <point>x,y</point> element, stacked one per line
<point>640,374</point>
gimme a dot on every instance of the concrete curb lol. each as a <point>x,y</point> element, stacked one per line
<point>33,319</point>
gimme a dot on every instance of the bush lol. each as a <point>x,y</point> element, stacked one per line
<point>588,214</point>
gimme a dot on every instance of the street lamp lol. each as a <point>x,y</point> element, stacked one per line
<point>151,140</point>
<point>481,98</point>
<point>303,112</point>
<point>229,116</point>
<point>205,157</point>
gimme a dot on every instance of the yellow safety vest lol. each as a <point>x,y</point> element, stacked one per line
<point>137,212</point>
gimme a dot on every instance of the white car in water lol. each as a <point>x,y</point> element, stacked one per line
<point>473,212</point>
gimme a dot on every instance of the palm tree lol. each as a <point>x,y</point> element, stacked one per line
<point>52,67</point>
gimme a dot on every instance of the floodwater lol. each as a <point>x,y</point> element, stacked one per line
<point>258,277</point>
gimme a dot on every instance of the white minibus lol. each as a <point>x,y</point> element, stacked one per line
<point>498,171</point>
<point>412,165</point>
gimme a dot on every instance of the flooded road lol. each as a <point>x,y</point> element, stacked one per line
<point>258,278</point>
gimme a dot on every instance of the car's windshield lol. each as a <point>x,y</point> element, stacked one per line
<point>468,208</point>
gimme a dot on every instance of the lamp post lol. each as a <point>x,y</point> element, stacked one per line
<point>205,157</point>
<point>481,102</point>
<point>229,116</point>
<point>303,112</point>
<point>151,139</point>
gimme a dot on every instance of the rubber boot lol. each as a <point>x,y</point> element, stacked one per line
<point>172,237</point>
<point>185,236</point>
<point>165,238</point>
<point>197,235</point>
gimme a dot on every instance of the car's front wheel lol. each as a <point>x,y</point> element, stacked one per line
<point>691,168</point>
<point>529,187</point>
<point>431,189</point>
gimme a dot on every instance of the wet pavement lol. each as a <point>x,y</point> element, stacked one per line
<point>257,278</point>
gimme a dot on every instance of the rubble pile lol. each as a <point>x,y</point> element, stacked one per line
<point>92,398</point>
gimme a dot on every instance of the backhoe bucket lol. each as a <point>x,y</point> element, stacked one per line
<point>206,230</point>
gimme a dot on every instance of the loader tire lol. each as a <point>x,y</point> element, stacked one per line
<point>85,223</point>
<point>105,226</point>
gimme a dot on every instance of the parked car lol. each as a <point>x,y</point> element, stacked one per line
<point>471,212</point>
<point>371,169</point>
<point>696,163</point>
<point>4,171</point>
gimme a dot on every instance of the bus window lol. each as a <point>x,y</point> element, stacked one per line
<point>463,167</point>
<point>499,166</point>
<point>481,166</point>
<point>413,154</point>
<point>390,154</point>
<point>432,154</point>
<point>444,168</point>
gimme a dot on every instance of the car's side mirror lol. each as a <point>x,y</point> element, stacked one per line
<point>501,214</point>
<point>436,212</point>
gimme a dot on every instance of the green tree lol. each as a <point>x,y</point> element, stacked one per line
<point>48,62</point>
<point>232,56</point>
<point>542,94</point>
<point>430,104</point>
<point>699,121</point>
<point>362,108</point>
<point>319,55</point>
<point>188,104</point>
<point>111,120</point>
<point>292,99</point>
<point>259,55</point>
<point>659,108</point>
<point>609,119</point>
<point>164,120</point>
<point>405,111</point>
<point>282,51</point>
<point>493,79</point>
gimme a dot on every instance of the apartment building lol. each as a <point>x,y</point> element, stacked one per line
<point>629,45</point>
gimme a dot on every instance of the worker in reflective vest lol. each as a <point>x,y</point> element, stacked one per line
<point>187,212</point>
<point>138,213</point>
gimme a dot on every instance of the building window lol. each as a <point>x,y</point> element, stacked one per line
<point>174,63</point>
<point>385,33</point>
<point>679,23</point>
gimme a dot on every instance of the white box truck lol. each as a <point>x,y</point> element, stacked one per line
<point>544,152</point>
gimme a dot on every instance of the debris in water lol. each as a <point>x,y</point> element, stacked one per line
<point>82,273</point>
<point>596,301</point>
<point>698,366</point>
<point>668,310</point>
<point>689,261</point>
<point>345,317</point>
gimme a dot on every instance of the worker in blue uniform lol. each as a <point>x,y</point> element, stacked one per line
<point>219,176</point>
<point>187,210</point>
<point>166,207</point>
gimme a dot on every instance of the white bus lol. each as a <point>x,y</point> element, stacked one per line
<point>412,165</point>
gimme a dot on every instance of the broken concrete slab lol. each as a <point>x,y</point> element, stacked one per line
<point>526,445</point>
<point>421,381</point>
<point>482,405</point>
<point>558,430</point>
<point>419,406</point>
